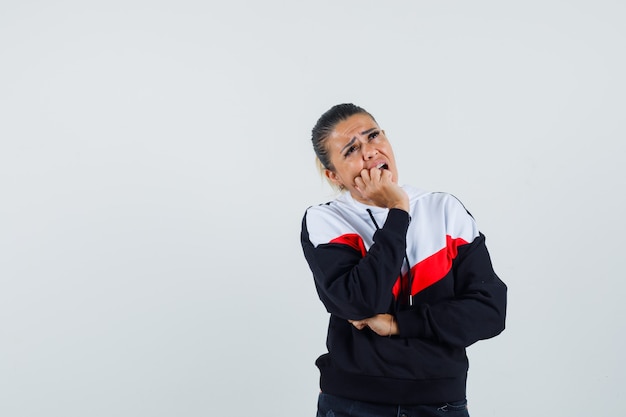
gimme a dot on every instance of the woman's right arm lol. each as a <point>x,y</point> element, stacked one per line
<point>351,282</point>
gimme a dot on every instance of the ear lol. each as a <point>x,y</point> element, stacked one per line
<point>333,178</point>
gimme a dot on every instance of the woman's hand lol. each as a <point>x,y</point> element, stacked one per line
<point>377,186</point>
<point>381,324</point>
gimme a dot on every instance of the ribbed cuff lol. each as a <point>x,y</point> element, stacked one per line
<point>397,220</point>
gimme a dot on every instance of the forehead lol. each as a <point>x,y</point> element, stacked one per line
<point>353,126</point>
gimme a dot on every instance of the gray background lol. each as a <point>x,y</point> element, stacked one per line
<point>155,165</point>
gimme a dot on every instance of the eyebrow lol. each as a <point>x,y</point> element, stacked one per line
<point>365,132</point>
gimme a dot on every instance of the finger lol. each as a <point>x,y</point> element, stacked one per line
<point>359,185</point>
<point>375,173</point>
<point>382,175</point>
<point>358,324</point>
<point>365,175</point>
<point>386,174</point>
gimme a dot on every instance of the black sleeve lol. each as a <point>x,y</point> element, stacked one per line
<point>477,311</point>
<point>353,285</point>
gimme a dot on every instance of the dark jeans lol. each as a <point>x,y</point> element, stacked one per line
<point>332,406</point>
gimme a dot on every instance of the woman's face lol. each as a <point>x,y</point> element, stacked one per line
<point>355,144</point>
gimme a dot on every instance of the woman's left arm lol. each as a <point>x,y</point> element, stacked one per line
<point>476,312</point>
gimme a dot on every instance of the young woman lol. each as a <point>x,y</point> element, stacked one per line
<point>403,272</point>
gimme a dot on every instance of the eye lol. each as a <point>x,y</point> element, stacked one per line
<point>350,150</point>
<point>373,135</point>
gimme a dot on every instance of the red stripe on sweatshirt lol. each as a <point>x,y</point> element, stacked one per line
<point>353,240</point>
<point>432,269</point>
<point>425,273</point>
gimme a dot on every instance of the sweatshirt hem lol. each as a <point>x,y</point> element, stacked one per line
<point>385,390</point>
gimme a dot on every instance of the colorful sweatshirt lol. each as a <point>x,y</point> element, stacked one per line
<point>449,298</point>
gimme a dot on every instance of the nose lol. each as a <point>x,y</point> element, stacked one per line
<point>369,150</point>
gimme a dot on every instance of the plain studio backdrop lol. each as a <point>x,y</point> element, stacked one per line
<point>155,165</point>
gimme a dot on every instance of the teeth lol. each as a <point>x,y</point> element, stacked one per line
<point>382,166</point>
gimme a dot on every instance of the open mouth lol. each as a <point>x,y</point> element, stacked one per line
<point>383,166</point>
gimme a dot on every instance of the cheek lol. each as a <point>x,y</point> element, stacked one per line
<point>351,171</point>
